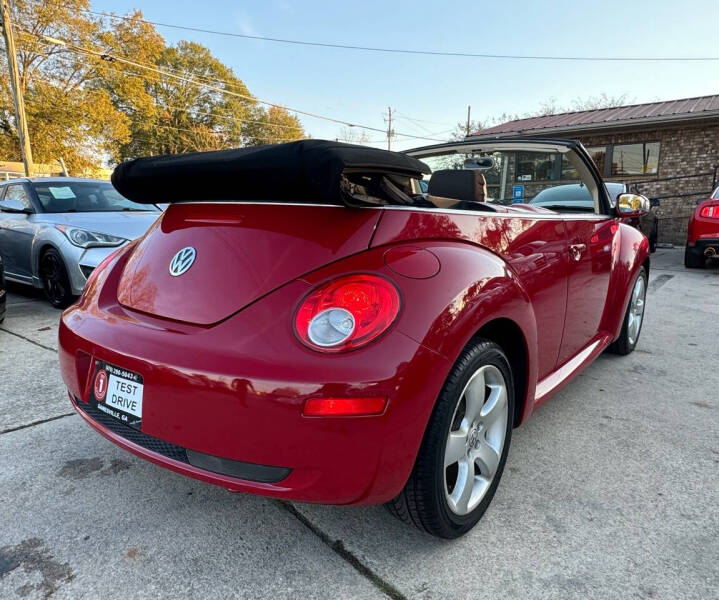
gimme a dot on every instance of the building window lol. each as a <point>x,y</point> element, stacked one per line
<point>536,166</point>
<point>635,159</point>
<point>599,155</point>
<point>569,172</point>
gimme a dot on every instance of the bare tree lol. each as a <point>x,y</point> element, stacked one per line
<point>460,129</point>
<point>352,135</point>
<point>551,106</point>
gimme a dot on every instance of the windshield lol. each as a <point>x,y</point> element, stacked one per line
<point>491,172</point>
<point>84,196</point>
<point>614,189</point>
<point>574,197</point>
<point>484,173</point>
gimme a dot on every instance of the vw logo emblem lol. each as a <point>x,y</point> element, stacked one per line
<point>182,261</point>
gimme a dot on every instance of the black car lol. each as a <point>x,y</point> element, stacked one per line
<point>3,291</point>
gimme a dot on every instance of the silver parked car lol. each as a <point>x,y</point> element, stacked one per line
<point>55,231</point>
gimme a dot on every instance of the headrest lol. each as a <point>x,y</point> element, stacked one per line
<point>462,184</point>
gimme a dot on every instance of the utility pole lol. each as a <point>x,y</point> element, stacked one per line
<point>20,119</point>
<point>390,131</point>
<point>469,112</point>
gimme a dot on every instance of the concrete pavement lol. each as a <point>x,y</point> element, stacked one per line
<point>610,491</point>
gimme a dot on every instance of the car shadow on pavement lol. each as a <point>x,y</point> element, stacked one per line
<point>23,293</point>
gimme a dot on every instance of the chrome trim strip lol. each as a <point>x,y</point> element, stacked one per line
<point>485,145</point>
<point>557,378</point>
<point>528,215</point>
<point>202,202</point>
<point>450,211</point>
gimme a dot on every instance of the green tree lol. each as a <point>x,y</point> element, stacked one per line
<point>68,116</point>
<point>175,114</point>
<point>272,126</point>
<point>91,110</point>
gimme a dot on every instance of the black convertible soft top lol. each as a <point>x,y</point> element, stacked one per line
<point>315,171</point>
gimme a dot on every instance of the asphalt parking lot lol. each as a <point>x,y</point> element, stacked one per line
<point>611,491</point>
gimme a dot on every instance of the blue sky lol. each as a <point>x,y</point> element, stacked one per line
<point>431,94</point>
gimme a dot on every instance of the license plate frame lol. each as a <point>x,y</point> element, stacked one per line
<point>118,392</point>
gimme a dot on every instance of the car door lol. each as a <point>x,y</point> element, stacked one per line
<point>589,261</point>
<point>16,232</point>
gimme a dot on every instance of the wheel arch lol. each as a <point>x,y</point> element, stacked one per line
<point>42,247</point>
<point>632,254</point>
<point>486,300</point>
<point>509,336</point>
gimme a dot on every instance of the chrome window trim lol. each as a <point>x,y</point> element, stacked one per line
<point>554,216</point>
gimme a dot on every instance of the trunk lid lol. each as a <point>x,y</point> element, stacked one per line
<point>242,252</point>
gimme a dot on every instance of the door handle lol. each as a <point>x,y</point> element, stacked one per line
<point>576,250</point>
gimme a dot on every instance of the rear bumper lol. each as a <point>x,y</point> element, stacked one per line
<point>230,394</point>
<point>701,245</point>
<point>178,459</point>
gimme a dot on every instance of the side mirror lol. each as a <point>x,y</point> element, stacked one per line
<point>632,205</point>
<point>16,210</point>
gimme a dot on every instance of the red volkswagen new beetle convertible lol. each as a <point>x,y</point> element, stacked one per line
<point>304,322</point>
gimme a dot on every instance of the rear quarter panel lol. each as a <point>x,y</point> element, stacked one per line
<point>630,251</point>
<point>493,267</point>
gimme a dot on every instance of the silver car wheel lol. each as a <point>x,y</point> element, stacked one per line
<point>475,440</point>
<point>636,310</point>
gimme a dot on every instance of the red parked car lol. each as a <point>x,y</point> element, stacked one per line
<point>703,233</point>
<point>304,323</point>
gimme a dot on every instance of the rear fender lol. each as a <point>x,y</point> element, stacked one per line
<point>444,310</point>
<point>631,252</point>
<point>473,288</point>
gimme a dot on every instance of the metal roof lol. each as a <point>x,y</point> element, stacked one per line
<point>617,117</point>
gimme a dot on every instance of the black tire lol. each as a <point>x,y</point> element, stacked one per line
<point>55,280</point>
<point>423,502</point>
<point>625,343</point>
<point>693,259</point>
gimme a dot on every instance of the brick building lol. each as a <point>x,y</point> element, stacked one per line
<point>664,150</point>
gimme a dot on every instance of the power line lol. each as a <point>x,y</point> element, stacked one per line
<point>201,132</point>
<point>219,115</point>
<point>416,123</point>
<point>406,50</point>
<point>423,120</point>
<point>114,58</point>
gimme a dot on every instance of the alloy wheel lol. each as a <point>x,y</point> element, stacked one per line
<point>51,273</point>
<point>636,310</point>
<point>475,440</point>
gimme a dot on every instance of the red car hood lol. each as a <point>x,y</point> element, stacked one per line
<point>243,251</point>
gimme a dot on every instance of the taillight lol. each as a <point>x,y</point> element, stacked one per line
<point>710,211</point>
<point>347,312</point>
